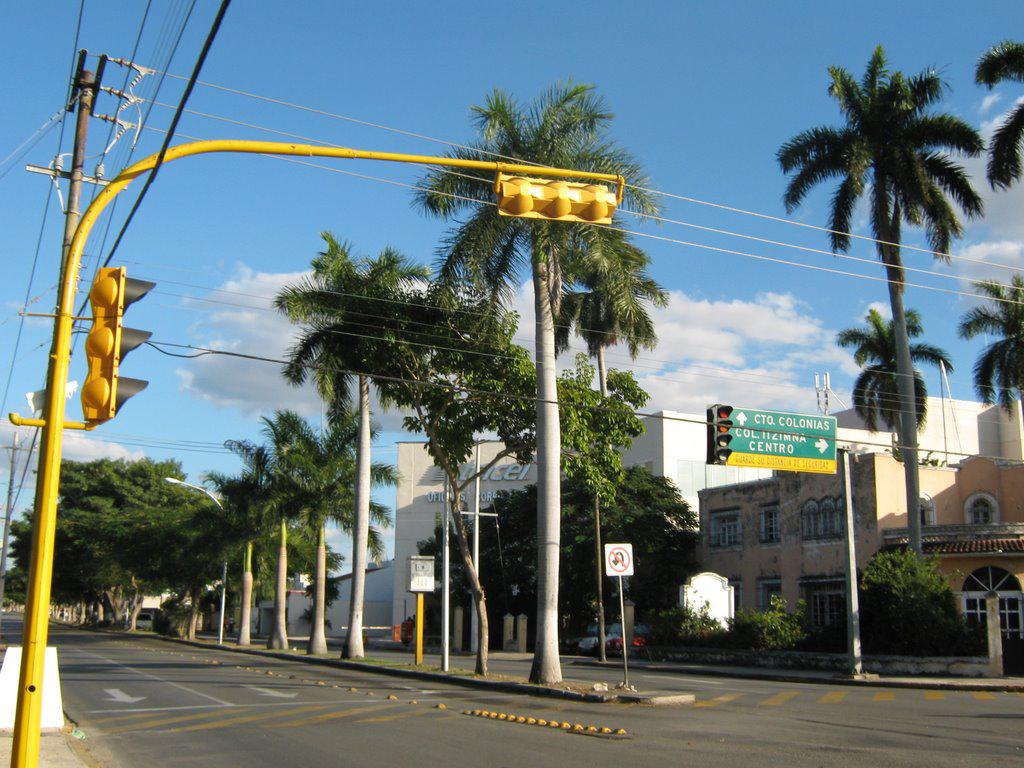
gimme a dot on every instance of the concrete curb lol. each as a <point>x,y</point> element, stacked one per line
<point>934,684</point>
<point>434,677</point>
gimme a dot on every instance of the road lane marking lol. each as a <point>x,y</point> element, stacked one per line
<point>133,716</point>
<point>358,710</point>
<point>833,698</point>
<point>983,695</point>
<point>157,678</point>
<point>273,693</point>
<point>399,716</point>
<point>242,720</point>
<point>934,695</point>
<point>119,696</point>
<point>168,721</point>
<point>884,696</point>
<point>780,698</point>
<point>718,700</point>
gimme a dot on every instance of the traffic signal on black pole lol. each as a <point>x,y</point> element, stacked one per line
<point>105,390</point>
<point>719,424</point>
<point>554,199</point>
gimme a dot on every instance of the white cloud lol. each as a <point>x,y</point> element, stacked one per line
<point>881,307</point>
<point>988,102</point>
<point>249,324</point>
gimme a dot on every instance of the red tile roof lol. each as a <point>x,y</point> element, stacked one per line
<point>970,546</point>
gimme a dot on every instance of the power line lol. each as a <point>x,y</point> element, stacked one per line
<point>649,190</point>
<point>532,398</point>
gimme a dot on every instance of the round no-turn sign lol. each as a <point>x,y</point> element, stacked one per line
<point>618,559</point>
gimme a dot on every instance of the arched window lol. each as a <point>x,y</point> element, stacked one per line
<point>927,510</point>
<point>809,519</point>
<point>822,519</point>
<point>991,579</point>
<point>981,509</point>
<point>976,588</point>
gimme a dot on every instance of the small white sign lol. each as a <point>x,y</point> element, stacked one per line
<point>618,559</point>
<point>421,573</point>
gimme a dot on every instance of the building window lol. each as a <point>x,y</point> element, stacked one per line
<point>766,590</point>
<point>981,509</point>
<point>736,583</point>
<point>826,603</point>
<point>927,510</point>
<point>726,530</point>
<point>770,524</point>
<point>822,520</point>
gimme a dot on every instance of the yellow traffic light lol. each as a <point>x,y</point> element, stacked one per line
<point>556,200</point>
<point>105,391</point>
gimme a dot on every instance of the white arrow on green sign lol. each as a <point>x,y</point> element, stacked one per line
<point>794,442</point>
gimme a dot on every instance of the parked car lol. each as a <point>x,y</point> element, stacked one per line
<point>144,621</point>
<point>612,639</point>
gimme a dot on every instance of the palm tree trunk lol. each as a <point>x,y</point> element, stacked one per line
<point>602,371</point>
<point>908,409</point>
<point>246,618</point>
<point>361,528</point>
<point>279,634</point>
<point>547,667</point>
<point>317,639</point>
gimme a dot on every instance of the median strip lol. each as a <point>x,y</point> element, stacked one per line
<point>565,726</point>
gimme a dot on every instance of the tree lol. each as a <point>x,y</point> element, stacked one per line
<point>1001,63</point>
<point>566,127</point>
<point>1000,367</point>
<point>896,151</point>
<point>875,392</point>
<point>609,305</point>
<point>439,363</point>
<point>647,510</point>
<point>246,498</point>
<point>321,475</point>
<point>344,289</point>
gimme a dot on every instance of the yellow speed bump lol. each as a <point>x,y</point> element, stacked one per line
<point>576,728</point>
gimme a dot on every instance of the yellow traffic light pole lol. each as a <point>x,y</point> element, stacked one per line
<point>25,750</point>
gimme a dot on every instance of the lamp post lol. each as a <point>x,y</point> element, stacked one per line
<point>224,572</point>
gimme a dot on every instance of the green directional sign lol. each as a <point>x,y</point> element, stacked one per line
<point>749,437</point>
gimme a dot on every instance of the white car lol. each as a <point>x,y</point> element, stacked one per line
<point>144,621</point>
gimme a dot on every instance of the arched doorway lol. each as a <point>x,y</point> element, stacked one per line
<point>1011,610</point>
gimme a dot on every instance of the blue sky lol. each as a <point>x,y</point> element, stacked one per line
<point>703,93</point>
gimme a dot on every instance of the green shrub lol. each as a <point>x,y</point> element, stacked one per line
<point>908,609</point>
<point>680,625</point>
<point>771,630</point>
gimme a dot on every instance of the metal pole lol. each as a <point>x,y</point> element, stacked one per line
<point>7,527</point>
<point>852,602</point>
<point>25,744</point>
<point>474,621</point>
<point>418,658</point>
<point>625,645</point>
<point>223,595</point>
<point>444,579</point>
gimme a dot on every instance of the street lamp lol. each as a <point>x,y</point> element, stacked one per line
<point>224,572</point>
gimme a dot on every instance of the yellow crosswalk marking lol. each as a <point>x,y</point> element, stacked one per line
<point>983,695</point>
<point>718,700</point>
<point>833,698</point>
<point>332,716</point>
<point>247,719</point>
<point>934,695</point>
<point>884,696</point>
<point>170,720</point>
<point>133,716</point>
<point>397,716</point>
<point>780,698</point>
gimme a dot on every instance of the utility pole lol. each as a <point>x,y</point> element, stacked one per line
<point>25,744</point>
<point>856,665</point>
<point>7,526</point>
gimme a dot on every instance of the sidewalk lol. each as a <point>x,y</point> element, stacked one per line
<point>55,751</point>
<point>817,676</point>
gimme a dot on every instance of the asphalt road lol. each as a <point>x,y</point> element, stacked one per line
<point>143,702</point>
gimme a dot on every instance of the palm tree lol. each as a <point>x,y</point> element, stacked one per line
<point>1000,367</point>
<point>245,503</point>
<point>895,150</point>
<point>875,392</point>
<point>1004,62</point>
<point>322,470</point>
<point>330,354</point>
<point>567,127</point>
<point>609,305</point>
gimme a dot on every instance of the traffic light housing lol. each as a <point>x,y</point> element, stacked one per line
<point>719,424</point>
<point>105,390</point>
<point>554,200</point>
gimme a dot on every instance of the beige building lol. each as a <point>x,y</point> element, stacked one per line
<point>785,535</point>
